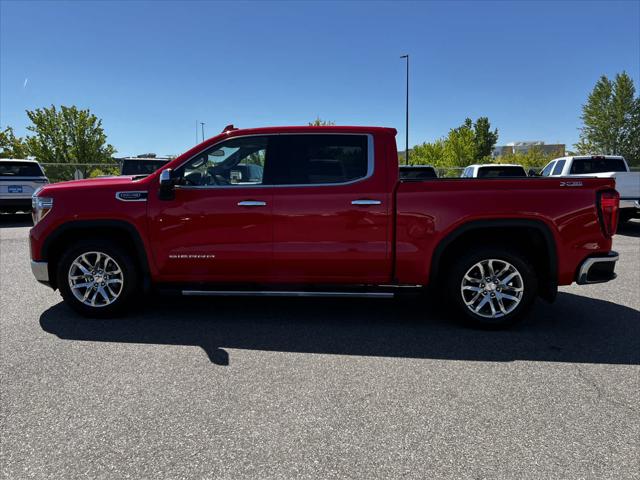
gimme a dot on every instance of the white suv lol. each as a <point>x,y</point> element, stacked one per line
<point>19,179</point>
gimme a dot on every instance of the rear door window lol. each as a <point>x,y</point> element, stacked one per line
<point>597,165</point>
<point>20,169</point>
<point>318,159</point>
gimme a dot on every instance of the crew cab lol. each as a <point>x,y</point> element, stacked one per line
<point>602,166</point>
<point>19,179</point>
<point>324,215</point>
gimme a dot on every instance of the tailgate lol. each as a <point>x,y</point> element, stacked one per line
<point>19,187</point>
<point>628,185</point>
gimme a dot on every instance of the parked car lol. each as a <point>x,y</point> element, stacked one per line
<point>602,166</point>
<point>417,172</point>
<point>328,217</point>
<point>491,170</point>
<point>19,179</point>
<point>142,166</point>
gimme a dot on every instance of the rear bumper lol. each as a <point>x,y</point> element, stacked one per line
<point>598,269</point>
<point>40,270</point>
<point>16,203</point>
<point>630,204</point>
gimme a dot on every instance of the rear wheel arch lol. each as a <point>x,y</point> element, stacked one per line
<point>123,233</point>
<point>533,237</point>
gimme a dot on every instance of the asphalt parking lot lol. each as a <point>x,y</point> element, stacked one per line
<point>318,388</point>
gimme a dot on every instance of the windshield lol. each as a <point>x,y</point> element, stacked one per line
<point>20,169</point>
<point>501,172</point>
<point>597,165</point>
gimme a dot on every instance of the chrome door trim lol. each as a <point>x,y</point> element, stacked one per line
<point>364,202</point>
<point>252,203</point>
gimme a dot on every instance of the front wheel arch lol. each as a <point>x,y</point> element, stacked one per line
<point>120,232</point>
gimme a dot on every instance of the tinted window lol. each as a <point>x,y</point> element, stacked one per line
<point>417,173</point>
<point>141,167</point>
<point>237,162</point>
<point>547,170</point>
<point>318,159</point>
<point>557,170</point>
<point>597,165</point>
<point>20,169</point>
<point>485,172</point>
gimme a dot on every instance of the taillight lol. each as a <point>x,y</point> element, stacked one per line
<point>608,205</point>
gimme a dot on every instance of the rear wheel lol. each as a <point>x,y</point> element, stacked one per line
<point>97,279</point>
<point>492,288</point>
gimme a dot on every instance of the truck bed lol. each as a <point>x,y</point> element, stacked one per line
<point>428,211</point>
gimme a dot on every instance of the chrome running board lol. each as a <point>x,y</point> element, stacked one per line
<point>283,293</point>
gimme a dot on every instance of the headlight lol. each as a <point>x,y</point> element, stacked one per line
<point>40,206</point>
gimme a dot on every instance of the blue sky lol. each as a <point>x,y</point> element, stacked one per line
<point>150,70</point>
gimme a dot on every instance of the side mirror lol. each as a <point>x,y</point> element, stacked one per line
<point>533,172</point>
<point>167,188</point>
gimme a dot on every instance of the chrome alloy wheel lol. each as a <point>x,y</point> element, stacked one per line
<point>95,279</point>
<point>492,288</point>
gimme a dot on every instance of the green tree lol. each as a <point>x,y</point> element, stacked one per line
<point>460,146</point>
<point>318,122</point>
<point>427,153</point>
<point>533,158</point>
<point>12,146</point>
<point>484,138</point>
<point>68,135</point>
<point>611,119</point>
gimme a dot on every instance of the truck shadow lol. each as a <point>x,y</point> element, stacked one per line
<point>574,329</point>
<point>629,229</point>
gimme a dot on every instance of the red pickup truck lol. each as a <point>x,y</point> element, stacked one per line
<point>320,211</point>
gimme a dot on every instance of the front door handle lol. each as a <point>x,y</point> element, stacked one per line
<point>252,203</point>
<point>366,202</point>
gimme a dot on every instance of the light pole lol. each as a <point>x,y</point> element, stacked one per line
<point>406,133</point>
<point>202,124</point>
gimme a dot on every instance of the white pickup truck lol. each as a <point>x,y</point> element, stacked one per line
<point>602,166</point>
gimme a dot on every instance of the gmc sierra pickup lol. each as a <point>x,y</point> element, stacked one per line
<point>320,211</point>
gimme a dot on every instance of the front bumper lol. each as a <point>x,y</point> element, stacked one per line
<point>598,269</point>
<point>40,270</point>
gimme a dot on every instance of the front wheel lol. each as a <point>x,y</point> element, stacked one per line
<point>96,278</point>
<point>492,288</point>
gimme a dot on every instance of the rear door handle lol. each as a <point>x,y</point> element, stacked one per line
<point>366,202</point>
<point>252,203</point>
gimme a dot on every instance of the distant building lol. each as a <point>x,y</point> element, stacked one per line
<point>523,147</point>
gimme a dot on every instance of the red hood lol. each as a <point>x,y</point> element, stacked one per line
<point>93,183</point>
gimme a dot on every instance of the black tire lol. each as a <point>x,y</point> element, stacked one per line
<point>529,285</point>
<point>126,264</point>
